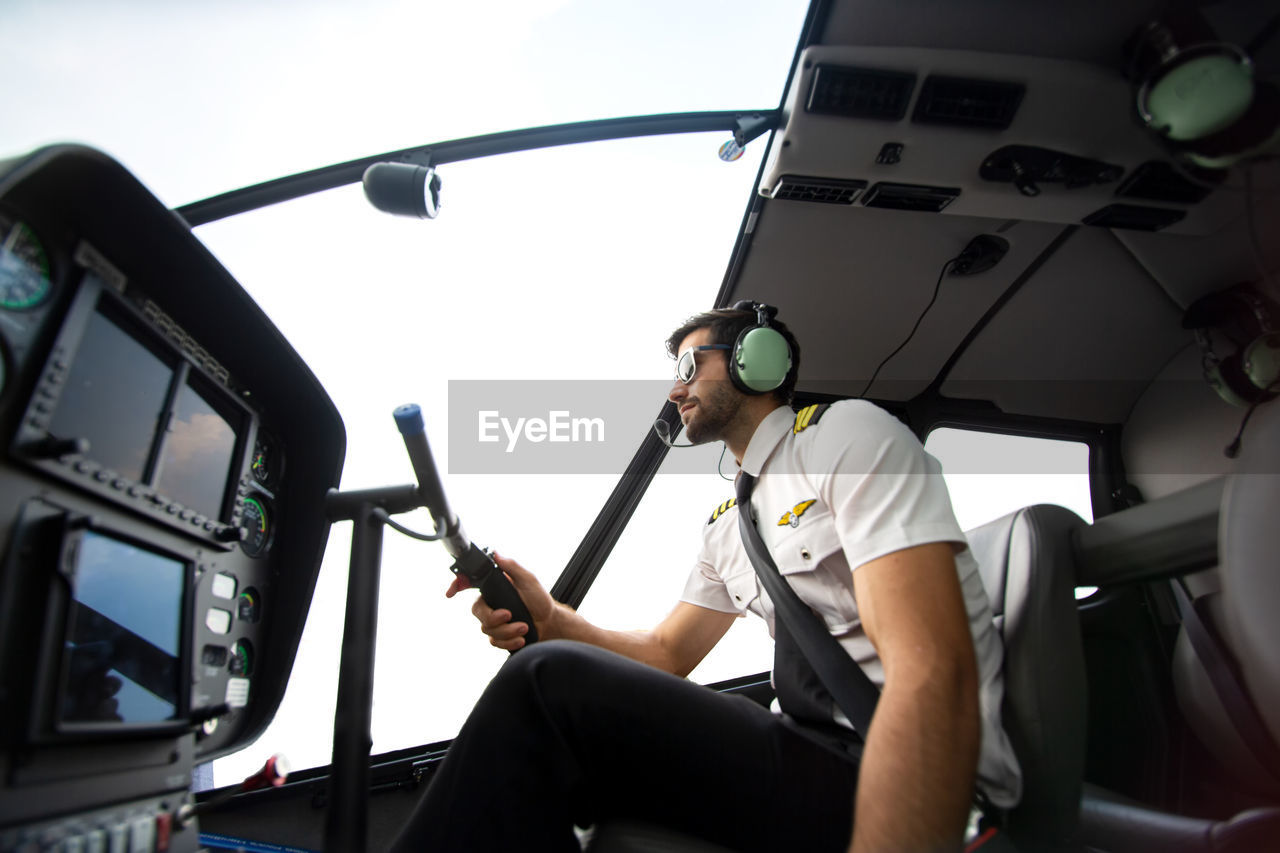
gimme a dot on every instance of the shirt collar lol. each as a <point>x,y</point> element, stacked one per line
<point>768,434</point>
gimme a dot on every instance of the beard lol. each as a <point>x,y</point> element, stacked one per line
<point>715,410</point>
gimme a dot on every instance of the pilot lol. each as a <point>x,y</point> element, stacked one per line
<point>591,724</point>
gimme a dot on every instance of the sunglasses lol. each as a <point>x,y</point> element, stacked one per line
<point>687,365</point>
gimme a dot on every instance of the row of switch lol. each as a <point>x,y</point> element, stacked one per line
<point>140,834</point>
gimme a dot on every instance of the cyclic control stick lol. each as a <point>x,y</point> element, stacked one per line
<point>469,559</point>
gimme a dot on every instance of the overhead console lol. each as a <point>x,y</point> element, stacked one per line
<point>165,460</point>
<point>981,134</point>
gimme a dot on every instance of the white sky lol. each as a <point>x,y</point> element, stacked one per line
<point>569,263</point>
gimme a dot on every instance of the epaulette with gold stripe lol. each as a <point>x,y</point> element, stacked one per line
<point>722,509</point>
<point>808,416</point>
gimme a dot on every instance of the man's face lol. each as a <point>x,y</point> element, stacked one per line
<point>710,402</point>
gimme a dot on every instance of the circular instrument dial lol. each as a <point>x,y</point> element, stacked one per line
<point>241,659</point>
<point>249,605</point>
<point>25,279</point>
<point>255,521</point>
<point>266,461</point>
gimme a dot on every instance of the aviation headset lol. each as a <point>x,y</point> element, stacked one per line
<point>1199,94</point>
<point>1246,376</point>
<point>761,357</point>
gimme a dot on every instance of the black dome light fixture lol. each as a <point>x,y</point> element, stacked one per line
<point>405,189</point>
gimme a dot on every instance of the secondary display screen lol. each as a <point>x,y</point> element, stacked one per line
<point>197,454</point>
<point>122,655</point>
<point>113,372</point>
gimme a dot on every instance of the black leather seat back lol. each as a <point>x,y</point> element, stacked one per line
<point>1028,566</point>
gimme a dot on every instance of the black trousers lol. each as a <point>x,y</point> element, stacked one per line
<point>568,733</point>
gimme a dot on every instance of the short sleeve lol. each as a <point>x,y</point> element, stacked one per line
<point>706,584</point>
<point>885,491</point>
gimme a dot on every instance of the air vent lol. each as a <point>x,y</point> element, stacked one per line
<point>825,190</point>
<point>910,197</point>
<point>1159,181</point>
<point>969,103</point>
<point>1135,218</point>
<point>860,92</point>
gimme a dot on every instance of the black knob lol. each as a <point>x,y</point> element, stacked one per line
<point>53,448</point>
<point>228,534</point>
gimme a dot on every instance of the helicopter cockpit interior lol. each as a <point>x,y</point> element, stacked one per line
<point>1062,221</point>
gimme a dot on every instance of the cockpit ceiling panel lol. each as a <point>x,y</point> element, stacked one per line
<point>1082,340</point>
<point>1077,108</point>
<point>1190,267</point>
<point>1085,30</point>
<point>851,281</point>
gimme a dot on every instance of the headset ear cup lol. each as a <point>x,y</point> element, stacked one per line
<point>1232,384</point>
<point>1261,361</point>
<point>1255,130</point>
<point>760,361</point>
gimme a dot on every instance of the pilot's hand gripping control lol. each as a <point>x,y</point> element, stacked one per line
<point>469,559</point>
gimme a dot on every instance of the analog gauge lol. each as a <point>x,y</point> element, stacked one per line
<point>241,661</point>
<point>24,267</point>
<point>255,521</point>
<point>266,460</point>
<point>248,605</point>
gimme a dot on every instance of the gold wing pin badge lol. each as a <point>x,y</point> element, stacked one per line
<point>792,516</point>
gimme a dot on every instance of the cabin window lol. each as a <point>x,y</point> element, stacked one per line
<point>992,474</point>
<point>645,575</point>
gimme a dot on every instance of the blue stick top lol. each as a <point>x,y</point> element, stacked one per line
<point>409,419</point>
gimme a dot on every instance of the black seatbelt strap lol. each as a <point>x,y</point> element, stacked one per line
<point>798,626</point>
<point>1226,680</point>
<point>798,686</point>
<point>852,690</point>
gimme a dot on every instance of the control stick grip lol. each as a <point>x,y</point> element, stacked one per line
<point>471,561</point>
<point>496,588</point>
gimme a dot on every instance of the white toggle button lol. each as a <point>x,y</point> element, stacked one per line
<point>218,621</point>
<point>224,586</point>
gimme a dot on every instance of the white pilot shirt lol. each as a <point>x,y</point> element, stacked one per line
<point>831,496</point>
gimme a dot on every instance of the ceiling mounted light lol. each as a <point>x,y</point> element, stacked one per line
<point>404,189</point>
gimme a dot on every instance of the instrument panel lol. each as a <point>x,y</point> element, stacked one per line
<point>161,497</point>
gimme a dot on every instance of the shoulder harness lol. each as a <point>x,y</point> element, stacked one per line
<point>722,509</point>
<point>808,416</point>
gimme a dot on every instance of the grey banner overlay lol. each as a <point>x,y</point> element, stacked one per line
<point>549,426</point>
<point>596,426</point>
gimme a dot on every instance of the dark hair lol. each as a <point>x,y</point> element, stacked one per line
<point>725,325</point>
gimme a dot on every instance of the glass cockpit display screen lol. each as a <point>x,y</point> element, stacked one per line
<point>197,454</point>
<point>113,372</point>
<point>122,655</point>
<point>149,416</point>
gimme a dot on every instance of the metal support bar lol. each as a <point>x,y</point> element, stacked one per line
<point>346,825</point>
<point>750,127</point>
<point>346,506</point>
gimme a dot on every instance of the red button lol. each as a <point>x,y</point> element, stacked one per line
<point>164,825</point>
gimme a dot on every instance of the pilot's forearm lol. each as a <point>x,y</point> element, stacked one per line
<point>916,781</point>
<point>642,646</point>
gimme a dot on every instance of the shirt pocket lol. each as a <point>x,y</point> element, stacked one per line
<point>801,555</point>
